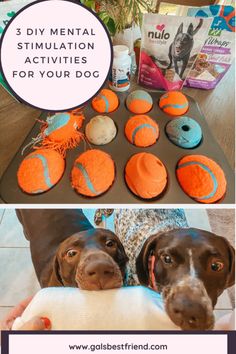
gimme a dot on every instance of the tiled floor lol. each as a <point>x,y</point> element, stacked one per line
<point>17,277</point>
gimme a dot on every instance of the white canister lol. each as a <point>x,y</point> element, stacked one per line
<point>119,79</point>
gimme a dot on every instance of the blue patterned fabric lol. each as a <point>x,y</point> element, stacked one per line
<point>224,16</point>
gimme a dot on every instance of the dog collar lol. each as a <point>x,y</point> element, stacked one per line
<point>151,273</point>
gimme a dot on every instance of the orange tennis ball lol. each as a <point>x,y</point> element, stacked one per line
<point>141,130</point>
<point>139,102</point>
<point>63,127</point>
<point>60,132</point>
<point>40,171</point>
<point>201,178</point>
<point>174,103</point>
<point>145,175</point>
<point>93,173</point>
<point>106,101</point>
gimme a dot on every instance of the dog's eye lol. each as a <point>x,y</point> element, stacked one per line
<point>167,259</point>
<point>110,243</point>
<point>71,253</point>
<point>217,266</point>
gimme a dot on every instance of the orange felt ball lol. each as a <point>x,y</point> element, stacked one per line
<point>93,173</point>
<point>201,178</point>
<point>141,130</point>
<point>145,175</point>
<point>139,102</point>
<point>106,101</point>
<point>174,103</point>
<point>40,171</point>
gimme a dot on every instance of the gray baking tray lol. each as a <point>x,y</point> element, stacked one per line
<point>121,150</point>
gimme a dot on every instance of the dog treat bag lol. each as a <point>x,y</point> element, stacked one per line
<point>217,53</point>
<point>169,47</point>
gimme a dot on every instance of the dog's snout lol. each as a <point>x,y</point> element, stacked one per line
<point>99,270</point>
<point>188,314</point>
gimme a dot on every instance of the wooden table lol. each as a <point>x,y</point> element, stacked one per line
<point>16,120</point>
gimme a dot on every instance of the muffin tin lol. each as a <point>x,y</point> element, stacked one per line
<point>121,150</point>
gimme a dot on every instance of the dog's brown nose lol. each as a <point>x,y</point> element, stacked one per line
<point>99,273</point>
<point>188,314</point>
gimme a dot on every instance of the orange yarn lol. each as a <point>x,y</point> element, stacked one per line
<point>141,130</point>
<point>145,175</point>
<point>174,103</point>
<point>77,111</point>
<point>105,102</point>
<point>201,178</point>
<point>93,173</point>
<point>40,171</point>
<point>61,135</point>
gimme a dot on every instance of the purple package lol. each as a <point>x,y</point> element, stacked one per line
<point>217,54</point>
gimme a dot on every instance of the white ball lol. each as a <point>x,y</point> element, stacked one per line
<point>100,130</point>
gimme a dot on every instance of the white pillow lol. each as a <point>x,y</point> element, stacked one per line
<point>127,308</point>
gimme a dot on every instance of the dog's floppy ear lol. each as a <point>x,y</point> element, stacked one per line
<point>122,256</point>
<point>55,279</point>
<point>180,29</point>
<point>142,259</point>
<point>231,254</point>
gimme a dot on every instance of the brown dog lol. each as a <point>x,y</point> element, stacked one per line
<point>191,268</point>
<point>67,251</point>
<point>91,260</point>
